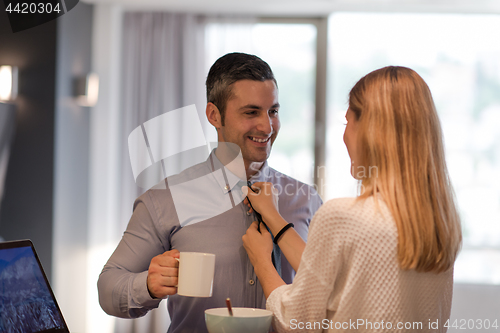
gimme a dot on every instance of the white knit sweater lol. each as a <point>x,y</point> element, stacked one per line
<point>349,278</point>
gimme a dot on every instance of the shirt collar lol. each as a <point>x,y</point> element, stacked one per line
<point>233,180</point>
<point>226,179</point>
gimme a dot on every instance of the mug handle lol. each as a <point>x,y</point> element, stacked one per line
<point>177,286</point>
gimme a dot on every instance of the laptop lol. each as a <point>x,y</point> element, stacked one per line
<point>27,303</point>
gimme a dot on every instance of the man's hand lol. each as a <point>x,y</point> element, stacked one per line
<point>163,274</point>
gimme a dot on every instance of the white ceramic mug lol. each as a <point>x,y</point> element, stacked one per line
<point>196,274</point>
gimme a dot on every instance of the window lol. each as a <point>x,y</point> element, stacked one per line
<point>457,55</point>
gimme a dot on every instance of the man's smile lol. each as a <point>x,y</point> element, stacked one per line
<point>261,141</point>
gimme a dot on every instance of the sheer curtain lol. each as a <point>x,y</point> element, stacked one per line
<point>228,34</point>
<point>163,70</point>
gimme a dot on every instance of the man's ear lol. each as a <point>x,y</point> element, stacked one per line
<point>213,115</point>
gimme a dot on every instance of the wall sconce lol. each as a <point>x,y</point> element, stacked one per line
<point>86,90</point>
<point>8,83</point>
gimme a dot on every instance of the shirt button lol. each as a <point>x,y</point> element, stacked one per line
<point>252,282</point>
<point>226,187</point>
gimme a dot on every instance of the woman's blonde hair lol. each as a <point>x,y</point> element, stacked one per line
<point>399,135</point>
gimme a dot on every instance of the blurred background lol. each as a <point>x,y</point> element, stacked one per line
<point>65,176</point>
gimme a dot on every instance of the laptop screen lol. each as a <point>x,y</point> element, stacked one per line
<point>27,304</point>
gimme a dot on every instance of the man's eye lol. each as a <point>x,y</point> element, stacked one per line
<point>251,113</point>
<point>274,111</point>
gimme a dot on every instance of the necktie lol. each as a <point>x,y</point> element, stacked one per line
<point>276,256</point>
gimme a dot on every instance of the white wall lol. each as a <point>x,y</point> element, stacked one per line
<point>71,174</point>
<point>104,158</point>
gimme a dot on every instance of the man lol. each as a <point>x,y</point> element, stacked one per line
<point>243,106</point>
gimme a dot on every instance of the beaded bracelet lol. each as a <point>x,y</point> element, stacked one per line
<point>281,232</point>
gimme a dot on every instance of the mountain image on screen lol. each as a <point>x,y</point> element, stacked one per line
<point>26,305</point>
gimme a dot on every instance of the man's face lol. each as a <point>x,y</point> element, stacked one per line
<point>251,119</point>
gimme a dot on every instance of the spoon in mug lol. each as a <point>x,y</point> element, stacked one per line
<point>229,308</point>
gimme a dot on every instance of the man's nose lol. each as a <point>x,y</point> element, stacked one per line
<point>265,124</point>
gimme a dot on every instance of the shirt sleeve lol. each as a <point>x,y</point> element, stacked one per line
<point>122,284</point>
<point>306,300</point>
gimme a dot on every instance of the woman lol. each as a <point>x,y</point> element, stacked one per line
<point>382,261</point>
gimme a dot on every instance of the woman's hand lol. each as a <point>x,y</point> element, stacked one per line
<point>265,201</point>
<point>259,245</point>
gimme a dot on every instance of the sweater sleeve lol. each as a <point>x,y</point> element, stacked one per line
<point>122,283</point>
<point>307,299</point>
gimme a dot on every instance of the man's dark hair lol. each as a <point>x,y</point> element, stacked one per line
<point>230,68</point>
